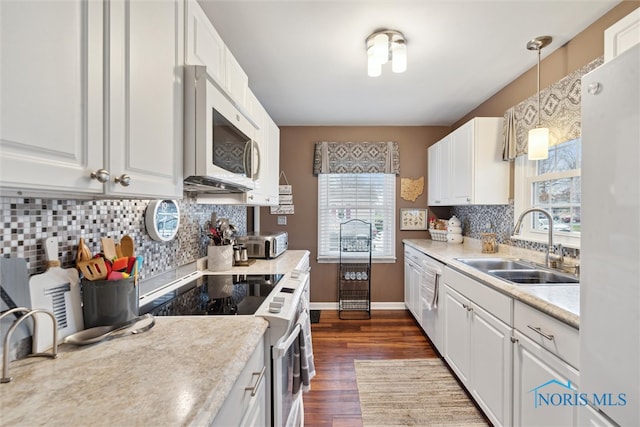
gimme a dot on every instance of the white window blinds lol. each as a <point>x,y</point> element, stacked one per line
<point>366,196</point>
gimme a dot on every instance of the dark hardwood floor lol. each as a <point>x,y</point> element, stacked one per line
<point>390,334</point>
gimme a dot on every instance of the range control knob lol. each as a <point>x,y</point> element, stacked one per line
<point>275,307</point>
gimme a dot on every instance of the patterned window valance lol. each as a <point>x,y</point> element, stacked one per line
<point>560,105</point>
<point>356,157</point>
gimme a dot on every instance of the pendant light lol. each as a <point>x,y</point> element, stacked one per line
<point>538,143</point>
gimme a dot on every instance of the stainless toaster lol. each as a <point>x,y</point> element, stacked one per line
<point>265,245</point>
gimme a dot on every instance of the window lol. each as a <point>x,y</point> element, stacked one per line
<point>370,197</point>
<point>552,184</point>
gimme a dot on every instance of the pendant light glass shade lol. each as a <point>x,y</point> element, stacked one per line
<point>538,148</point>
<point>374,68</point>
<point>381,48</point>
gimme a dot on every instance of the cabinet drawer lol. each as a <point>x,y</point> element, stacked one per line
<point>552,334</point>
<point>492,301</point>
<point>240,399</point>
<point>414,255</point>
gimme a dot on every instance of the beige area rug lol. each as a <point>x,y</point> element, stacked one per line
<point>412,392</point>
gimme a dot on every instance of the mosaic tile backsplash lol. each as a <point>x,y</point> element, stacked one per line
<point>497,219</point>
<point>26,222</point>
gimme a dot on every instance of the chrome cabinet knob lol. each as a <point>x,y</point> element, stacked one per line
<point>124,180</point>
<point>101,175</point>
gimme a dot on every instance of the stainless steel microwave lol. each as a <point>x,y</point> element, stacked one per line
<point>220,155</point>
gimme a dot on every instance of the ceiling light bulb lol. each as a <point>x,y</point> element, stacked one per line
<point>538,144</point>
<point>399,57</point>
<point>381,48</point>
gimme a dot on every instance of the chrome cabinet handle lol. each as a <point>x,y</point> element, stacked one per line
<point>124,180</point>
<point>468,199</point>
<point>260,374</point>
<point>101,175</point>
<point>539,331</point>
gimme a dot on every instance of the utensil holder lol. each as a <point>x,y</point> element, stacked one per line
<point>109,302</point>
<point>219,258</point>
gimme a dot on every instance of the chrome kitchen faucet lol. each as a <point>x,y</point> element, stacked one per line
<point>549,255</point>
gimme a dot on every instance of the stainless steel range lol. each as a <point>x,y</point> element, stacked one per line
<point>283,300</point>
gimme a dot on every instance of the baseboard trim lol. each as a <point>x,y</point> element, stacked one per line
<point>374,306</point>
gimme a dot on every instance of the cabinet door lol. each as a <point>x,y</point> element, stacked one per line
<point>456,333</point>
<point>462,163</point>
<point>540,377</point>
<point>51,119</point>
<point>237,82</point>
<point>437,173</point>
<point>204,44</point>
<point>491,359</point>
<point>145,104</point>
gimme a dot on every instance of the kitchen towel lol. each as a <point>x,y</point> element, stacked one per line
<point>303,365</point>
<point>430,287</point>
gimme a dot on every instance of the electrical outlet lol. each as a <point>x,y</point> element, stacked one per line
<point>282,220</point>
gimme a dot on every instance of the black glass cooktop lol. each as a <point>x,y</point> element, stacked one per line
<point>215,295</point>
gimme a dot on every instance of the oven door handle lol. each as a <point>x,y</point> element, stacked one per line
<point>280,350</point>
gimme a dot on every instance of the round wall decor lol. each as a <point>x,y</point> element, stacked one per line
<point>162,219</point>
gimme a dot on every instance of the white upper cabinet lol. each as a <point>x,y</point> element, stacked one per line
<point>59,134</point>
<point>206,47</point>
<point>146,92</point>
<point>465,167</point>
<point>51,99</point>
<point>622,35</point>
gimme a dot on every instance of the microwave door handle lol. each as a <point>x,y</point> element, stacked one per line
<point>257,157</point>
<point>246,159</point>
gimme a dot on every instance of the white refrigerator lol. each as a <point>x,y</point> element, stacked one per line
<point>610,242</point>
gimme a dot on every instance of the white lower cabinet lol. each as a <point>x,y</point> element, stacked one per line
<point>541,382</point>
<point>546,356</point>
<point>478,349</point>
<point>413,274</point>
<point>246,404</point>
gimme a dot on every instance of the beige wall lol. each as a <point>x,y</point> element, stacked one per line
<point>296,160</point>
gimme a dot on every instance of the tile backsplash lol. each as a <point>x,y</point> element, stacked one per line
<point>26,222</point>
<point>499,219</point>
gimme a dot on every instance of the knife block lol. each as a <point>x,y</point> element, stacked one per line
<point>109,302</point>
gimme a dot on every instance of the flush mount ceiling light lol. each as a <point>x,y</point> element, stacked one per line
<point>538,144</point>
<point>384,46</point>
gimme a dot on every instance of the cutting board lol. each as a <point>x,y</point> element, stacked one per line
<point>14,292</point>
<point>56,290</point>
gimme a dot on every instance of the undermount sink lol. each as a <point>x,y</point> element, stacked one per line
<point>486,264</point>
<point>534,277</point>
<point>519,272</point>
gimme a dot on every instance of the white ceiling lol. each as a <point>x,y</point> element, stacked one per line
<point>306,59</point>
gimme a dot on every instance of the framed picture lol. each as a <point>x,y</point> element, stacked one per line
<point>413,219</point>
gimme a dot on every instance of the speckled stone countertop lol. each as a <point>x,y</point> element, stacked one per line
<point>559,301</point>
<point>178,373</point>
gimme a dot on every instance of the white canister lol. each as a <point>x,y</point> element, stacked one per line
<point>455,222</point>
<point>454,238</point>
<point>454,230</point>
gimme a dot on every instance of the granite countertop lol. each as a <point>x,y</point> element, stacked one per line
<point>559,301</point>
<point>177,373</point>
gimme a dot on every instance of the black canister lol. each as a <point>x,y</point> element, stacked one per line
<point>109,302</point>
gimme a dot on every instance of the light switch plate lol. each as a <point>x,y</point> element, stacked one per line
<point>282,220</point>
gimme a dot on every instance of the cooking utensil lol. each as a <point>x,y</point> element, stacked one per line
<point>118,250</point>
<point>128,246</point>
<point>14,292</point>
<point>84,254</point>
<point>94,269</point>
<point>109,248</point>
<point>58,291</point>
<point>100,333</point>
